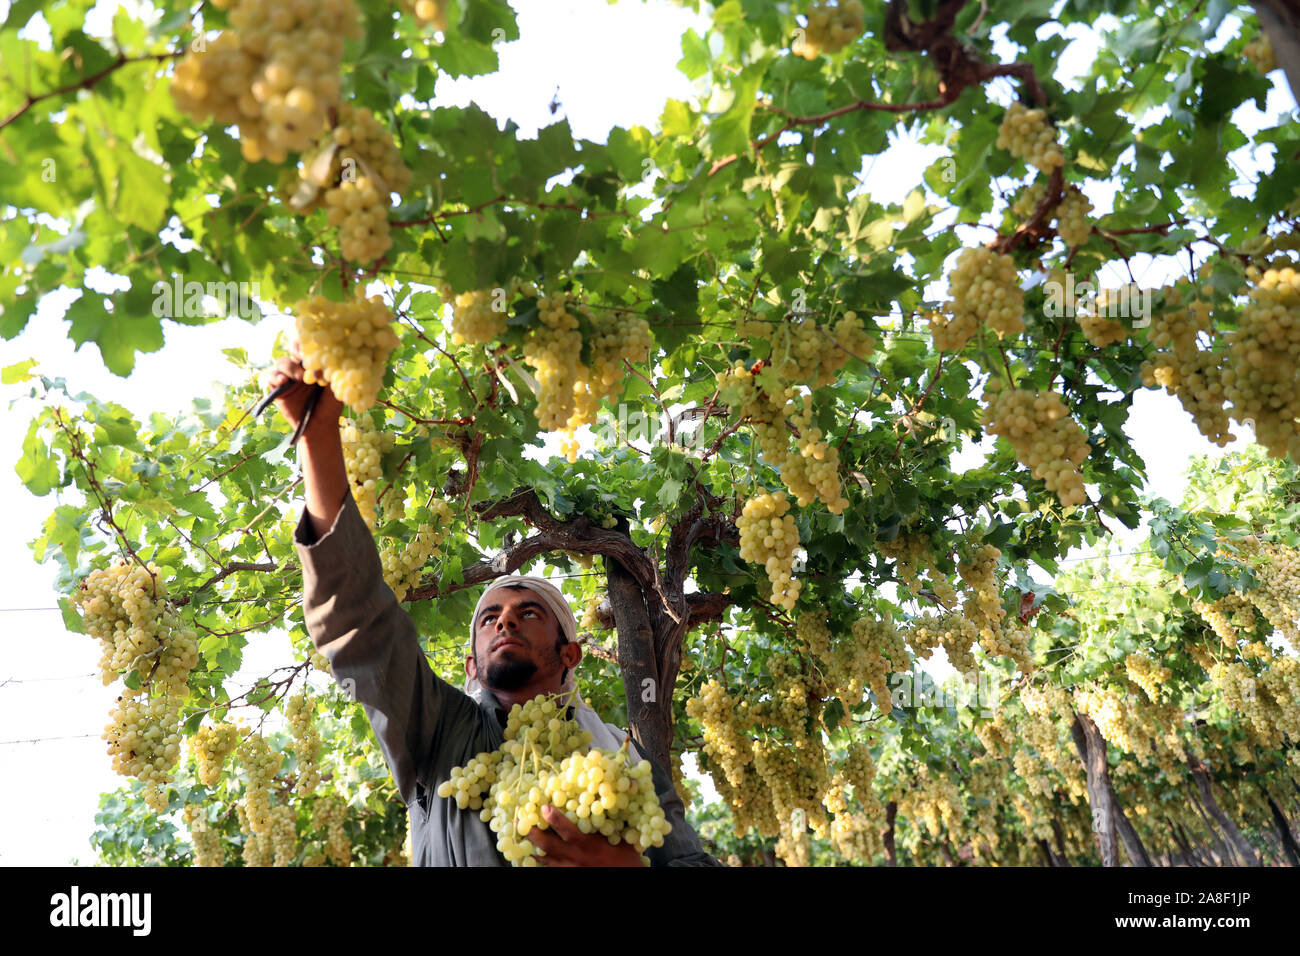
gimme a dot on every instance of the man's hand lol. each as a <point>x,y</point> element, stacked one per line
<point>569,846</point>
<point>291,404</point>
<point>325,477</point>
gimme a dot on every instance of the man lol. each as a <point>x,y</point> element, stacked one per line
<point>522,645</point>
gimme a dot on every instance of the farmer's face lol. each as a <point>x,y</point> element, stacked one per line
<point>516,640</point>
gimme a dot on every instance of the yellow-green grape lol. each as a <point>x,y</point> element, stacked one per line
<point>275,72</point>
<point>803,351</point>
<point>1027,200</point>
<point>359,208</point>
<point>346,345</point>
<point>880,651</point>
<point>365,141</point>
<point>1098,328</point>
<point>125,607</point>
<point>430,13</point>
<point>1045,438</point>
<point>364,447</point>
<point>1196,376</point>
<point>1147,674</point>
<point>1027,134</point>
<point>724,739</point>
<point>283,835</point>
<point>474,320</point>
<point>951,330</point>
<point>143,736</point>
<point>1259,52</point>
<point>1277,595</point>
<point>830,28</point>
<point>984,284</point>
<point>402,569</point>
<point>1263,354</point>
<point>306,743</point>
<point>261,764</point>
<point>1072,222</point>
<point>211,746</point>
<point>554,350</point>
<point>329,815</point>
<point>207,841</point>
<point>1106,708</point>
<point>768,536</point>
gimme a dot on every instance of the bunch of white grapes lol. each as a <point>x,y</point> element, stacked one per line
<point>1027,134</point>
<point>984,284</point>
<point>1195,375</point>
<point>144,740</point>
<point>804,351</point>
<point>364,447</point>
<point>207,841</point>
<point>300,711</point>
<point>475,318</point>
<point>830,28</point>
<point>1147,674</point>
<point>365,170</point>
<point>346,345</point>
<point>768,536</point>
<point>211,746</point>
<point>329,815</point>
<point>402,568</point>
<point>1072,222</point>
<point>546,758</point>
<point>554,350</point>
<point>1099,328</point>
<point>275,73</point>
<point>1260,377</point>
<point>1046,439</point>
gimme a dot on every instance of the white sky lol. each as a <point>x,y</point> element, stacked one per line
<point>613,65</point>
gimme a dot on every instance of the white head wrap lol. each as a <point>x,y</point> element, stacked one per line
<point>605,736</point>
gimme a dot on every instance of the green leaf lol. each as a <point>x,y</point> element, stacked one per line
<point>18,372</point>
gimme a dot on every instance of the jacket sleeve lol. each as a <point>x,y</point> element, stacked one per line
<point>355,620</point>
<point>681,846</point>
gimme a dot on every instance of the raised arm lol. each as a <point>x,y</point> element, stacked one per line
<point>352,615</point>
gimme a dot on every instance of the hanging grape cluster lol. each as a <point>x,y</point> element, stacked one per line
<point>1045,438</point>
<point>1028,134</point>
<point>768,536</point>
<point>125,607</point>
<point>985,291</point>
<point>276,72</point>
<point>831,27</point>
<point>346,345</point>
<point>404,565</point>
<point>364,447</point>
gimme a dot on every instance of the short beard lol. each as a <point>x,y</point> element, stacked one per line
<point>508,674</point>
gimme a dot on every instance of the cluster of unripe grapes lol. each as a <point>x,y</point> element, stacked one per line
<point>206,840</point>
<point>1259,379</point>
<point>830,28</point>
<point>474,317</point>
<point>211,746</point>
<point>810,466</point>
<point>364,447</point>
<point>569,392</point>
<point>403,567</point>
<point>299,710</point>
<point>346,345</point>
<point>275,73</point>
<point>985,291</point>
<point>1072,222</point>
<point>1028,134</point>
<point>1184,369</point>
<point>1045,438</point>
<point>546,758</point>
<point>125,607</point>
<point>810,353</point>
<point>1277,594</point>
<point>329,815</point>
<point>1147,674</point>
<point>768,536</point>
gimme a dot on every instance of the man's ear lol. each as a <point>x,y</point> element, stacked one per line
<point>570,654</point>
<point>471,668</point>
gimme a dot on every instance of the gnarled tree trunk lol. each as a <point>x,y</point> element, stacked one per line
<point>1239,843</point>
<point>1092,751</point>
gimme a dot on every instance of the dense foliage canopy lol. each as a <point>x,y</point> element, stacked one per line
<point>761,373</point>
